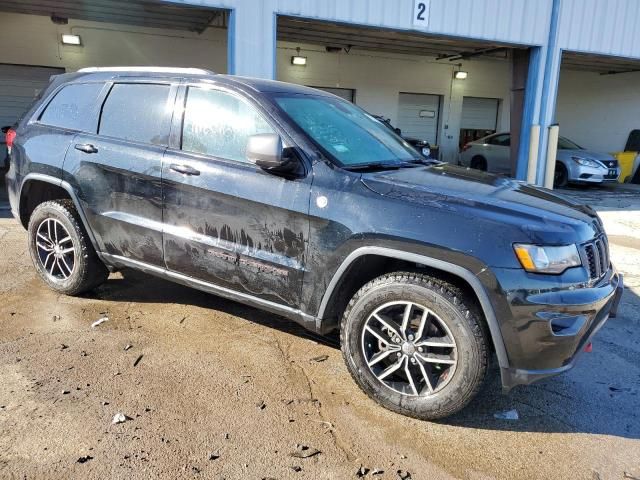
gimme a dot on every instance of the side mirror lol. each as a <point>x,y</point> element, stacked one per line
<point>398,131</point>
<point>5,129</point>
<point>265,150</point>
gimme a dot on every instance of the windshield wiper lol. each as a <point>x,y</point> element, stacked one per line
<point>374,166</point>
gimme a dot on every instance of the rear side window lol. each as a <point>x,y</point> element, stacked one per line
<point>73,107</point>
<point>139,112</point>
<point>219,124</point>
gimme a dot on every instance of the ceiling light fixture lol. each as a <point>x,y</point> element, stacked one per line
<point>71,39</point>
<point>460,75</point>
<point>298,59</point>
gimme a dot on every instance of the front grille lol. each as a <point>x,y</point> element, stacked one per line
<point>610,163</point>
<point>595,256</point>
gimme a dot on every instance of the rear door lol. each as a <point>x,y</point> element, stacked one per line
<point>227,221</point>
<point>117,171</point>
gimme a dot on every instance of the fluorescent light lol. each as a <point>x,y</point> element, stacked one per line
<point>460,75</point>
<point>71,39</point>
<point>297,60</point>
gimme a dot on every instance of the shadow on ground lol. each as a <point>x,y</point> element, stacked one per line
<point>592,399</point>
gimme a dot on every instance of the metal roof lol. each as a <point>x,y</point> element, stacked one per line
<point>145,13</point>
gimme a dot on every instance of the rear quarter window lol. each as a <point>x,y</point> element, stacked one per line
<point>139,112</point>
<point>73,107</point>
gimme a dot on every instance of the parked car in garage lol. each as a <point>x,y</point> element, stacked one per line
<point>574,164</point>
<point>299,203</point>
<point>426,149</point>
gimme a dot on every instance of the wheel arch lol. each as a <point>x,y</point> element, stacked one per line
<point>55,191</point>
<point>383,254</point>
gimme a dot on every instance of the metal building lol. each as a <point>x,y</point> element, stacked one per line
<point>401,59</point>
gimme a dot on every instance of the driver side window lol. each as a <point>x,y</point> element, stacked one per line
<point>219,124</point>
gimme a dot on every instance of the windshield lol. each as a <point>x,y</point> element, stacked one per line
<point>345,133</point>
<point>566,144</point>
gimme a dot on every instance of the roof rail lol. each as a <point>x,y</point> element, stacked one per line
<point>194,71</point>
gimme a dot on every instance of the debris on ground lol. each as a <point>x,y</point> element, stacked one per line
<point>63,346</point>
<point>377,471</point>
<point>507,415</point>
<point>135,364</point>
<point>362,471</point>
<point>183,319</point>
<point>320,358</point>
<point>100,321</point>
<point>403,475</point>
<point>56,318</point>
<point>227,436</point>
<point>128,346</point>
<point>261,405</point>
<point>629,476</point>
<point>66,392</point>
<point>84,354</point>
<point>296,468</point>
<point>304,451</point>
<point>119,418</point>
<point>84,459</point>
<point>214,456</point>
<point>104,404</point>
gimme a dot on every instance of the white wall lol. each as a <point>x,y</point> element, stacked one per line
<point>35,40</point>
<point>378,78</point>
<point>598,111</point>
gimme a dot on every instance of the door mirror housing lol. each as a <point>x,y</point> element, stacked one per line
<point>266,151</point>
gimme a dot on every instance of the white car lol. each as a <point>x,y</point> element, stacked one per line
<point>573,163</point>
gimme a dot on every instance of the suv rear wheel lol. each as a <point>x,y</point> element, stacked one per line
<point>61,250</point>
<point>413,345</point>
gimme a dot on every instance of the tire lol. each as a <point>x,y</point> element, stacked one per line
<point>67,265</point>
<point>450,387</point>
<point>561,176</point>
<point>479,163</point>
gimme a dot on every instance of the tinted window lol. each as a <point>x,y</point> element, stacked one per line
<point>219,124</point>
<point>72,107</point>
<point>138,112</point>
<point>501,140</point>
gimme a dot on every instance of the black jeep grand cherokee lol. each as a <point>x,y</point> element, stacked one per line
<point>297,202</point>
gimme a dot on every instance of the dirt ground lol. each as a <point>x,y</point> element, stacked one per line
<point>214,389</point>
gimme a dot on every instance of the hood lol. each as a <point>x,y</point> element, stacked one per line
<point>544,217</point>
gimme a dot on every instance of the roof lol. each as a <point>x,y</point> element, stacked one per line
<point>255,84</point>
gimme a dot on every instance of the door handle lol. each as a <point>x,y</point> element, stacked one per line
<point>86,148</point>
<point>184,169</point>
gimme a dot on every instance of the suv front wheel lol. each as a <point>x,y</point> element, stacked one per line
<point>61,251</point>
<point>413,345</point>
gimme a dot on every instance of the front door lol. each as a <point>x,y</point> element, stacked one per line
<point>227,221</point>
<point>117,172</point>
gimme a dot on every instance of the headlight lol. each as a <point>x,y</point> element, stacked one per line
<point>585,162</point>
<point>538,259</point>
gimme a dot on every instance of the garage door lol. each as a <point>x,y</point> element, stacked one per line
<point>346,93</point>
<point>479,113</point>
<point>19,85</point>
<point>418,116</point>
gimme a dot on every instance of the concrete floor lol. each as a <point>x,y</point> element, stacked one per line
<point>220,378</point>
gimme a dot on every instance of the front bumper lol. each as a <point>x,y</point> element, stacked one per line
<point>582,174</point>
<point>550,325</point>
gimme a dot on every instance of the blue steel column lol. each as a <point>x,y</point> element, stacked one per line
<point>252,40</point>
<point>531,109</point>
<point>549,89</point>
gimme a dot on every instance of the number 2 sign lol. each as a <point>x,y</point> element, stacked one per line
<point>421,13</point>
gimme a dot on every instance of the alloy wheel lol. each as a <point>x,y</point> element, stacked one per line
<point>56,251</point>
<point>409,349</point>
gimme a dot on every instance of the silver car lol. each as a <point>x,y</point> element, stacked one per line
<point>573,163</point>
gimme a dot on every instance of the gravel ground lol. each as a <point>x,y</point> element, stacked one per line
<point>214,389</point>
